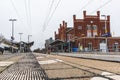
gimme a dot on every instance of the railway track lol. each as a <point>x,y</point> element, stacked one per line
<point>88,72</point>
<point>86,69</point>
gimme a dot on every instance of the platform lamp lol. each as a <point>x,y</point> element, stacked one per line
<point>29,40</point>
<point>20,40</point>
<point>12,37</point>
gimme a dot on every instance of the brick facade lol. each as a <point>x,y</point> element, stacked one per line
<point>89,34</point>
<point>91,26</point>
<point>61,32</point>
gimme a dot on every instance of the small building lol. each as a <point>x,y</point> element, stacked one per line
<point>24,46</point>
<point>47,44</point>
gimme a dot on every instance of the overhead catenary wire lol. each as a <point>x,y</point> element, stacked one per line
<point>48,13</point>
<point>84,6</point>
<point>26,12</point>
<point>50,6</point>
<point>15,9</point>
<point>88,3</point>
<point>52,14</point>
<point>101,6</point>
<point>29,11</point>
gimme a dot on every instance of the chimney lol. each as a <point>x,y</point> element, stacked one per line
<point>84,14</point>
<point>55,32</point>
<point>108,18</point>
<point>60,26</point>
<point>74,17</point>
<point>63,23</point>
<point>98,13</point>
<point>66,24</point>
<point>58,30</point>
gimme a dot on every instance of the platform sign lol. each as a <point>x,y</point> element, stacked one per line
<point>103,47</point>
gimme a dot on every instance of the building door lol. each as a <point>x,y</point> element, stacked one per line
<point>116,47</point>
<point>89,46</point>
<point>103,46</point>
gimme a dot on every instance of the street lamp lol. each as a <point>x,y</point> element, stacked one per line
<point>20,40</point>
<point>20,36</point>
<point>12,37</point>
<point>28,42</point>
<point>29,38</point>
<point>105,31</point>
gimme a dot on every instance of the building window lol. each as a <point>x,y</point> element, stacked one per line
<point>88,27</point>
<point>94,27</point>
<point>89,33</point>
<point>116,47</point>
<point>94,30</point>
<point>102,41</point>
<point>79,27</point>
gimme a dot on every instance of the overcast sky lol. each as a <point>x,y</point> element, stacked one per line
<point>31,16</point>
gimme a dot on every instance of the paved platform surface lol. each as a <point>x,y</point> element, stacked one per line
<point>26,69</point>
<point>100,56</point>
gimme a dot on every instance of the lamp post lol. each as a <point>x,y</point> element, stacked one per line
<point>105,31</point>
<point>29,38</point>
<point>28,42</point>
<point>20,40</point>
<point>20,36</point>
<point>12,37</point>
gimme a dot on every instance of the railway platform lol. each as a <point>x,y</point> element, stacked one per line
<point>113,57</point>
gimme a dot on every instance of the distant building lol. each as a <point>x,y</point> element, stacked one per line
<point>23,46</point>
<point>47,44</point>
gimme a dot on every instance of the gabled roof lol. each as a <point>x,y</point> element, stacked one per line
<point>57,42</point>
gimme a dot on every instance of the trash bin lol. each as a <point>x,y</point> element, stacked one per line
<point>74,49</point>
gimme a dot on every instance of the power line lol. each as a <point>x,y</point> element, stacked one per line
<point>84,6</point>
<point>15,9</point>
<point>26,10</point>
<point>48,13</point>
<point>29,10</point>
<point>101,6</point>
<point>52,14</point>
<point>88,3</point>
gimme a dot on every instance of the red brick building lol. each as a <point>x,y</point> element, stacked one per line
<point>91,25</point>
<point>61,32</point>
<point>89,34</point>
<point>93,34</point>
